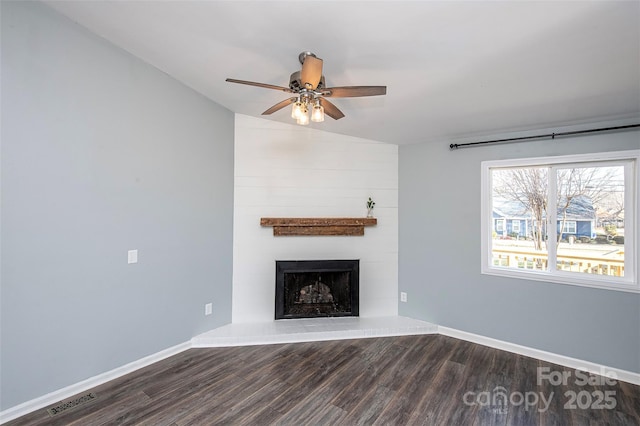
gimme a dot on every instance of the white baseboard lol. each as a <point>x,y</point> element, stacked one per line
<point>67,392</point>
<point>578,364</point>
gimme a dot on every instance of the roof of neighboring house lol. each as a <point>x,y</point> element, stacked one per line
<point>510,209</point>
<point>580,208</point>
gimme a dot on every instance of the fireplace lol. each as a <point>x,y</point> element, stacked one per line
<point>317,288</point>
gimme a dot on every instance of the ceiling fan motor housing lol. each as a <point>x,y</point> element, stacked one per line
<point>295,83</point>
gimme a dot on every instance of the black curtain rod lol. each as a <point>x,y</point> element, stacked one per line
<point>549,135</point>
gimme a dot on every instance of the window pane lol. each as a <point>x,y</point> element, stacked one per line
<point>590,220</point>
<point>519,217</point>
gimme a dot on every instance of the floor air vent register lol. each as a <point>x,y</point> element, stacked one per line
<point>73,403</point>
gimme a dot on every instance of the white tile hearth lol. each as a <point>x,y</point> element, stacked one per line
<point>311,329</point>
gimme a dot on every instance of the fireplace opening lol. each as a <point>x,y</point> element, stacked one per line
<point>317,288</point>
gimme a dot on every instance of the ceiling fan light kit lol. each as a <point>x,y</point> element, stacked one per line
<point>309,87</point>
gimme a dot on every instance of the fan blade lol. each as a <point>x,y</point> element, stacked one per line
<point>266,86</point>
<point>311,72</point>
<point>354,91</point>
<point>331,110</point>
<point>279,106</point>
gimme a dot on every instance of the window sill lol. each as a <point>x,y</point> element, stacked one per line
<point>568,279</point>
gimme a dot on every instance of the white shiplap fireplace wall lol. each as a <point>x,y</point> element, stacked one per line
<point>284,170</point>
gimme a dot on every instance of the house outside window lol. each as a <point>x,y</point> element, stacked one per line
<point>578,219</point>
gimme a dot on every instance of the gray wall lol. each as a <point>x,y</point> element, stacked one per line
<point>439,261</point>
<point>102,153</point>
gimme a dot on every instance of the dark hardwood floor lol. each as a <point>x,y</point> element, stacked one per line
<point>409,380</point>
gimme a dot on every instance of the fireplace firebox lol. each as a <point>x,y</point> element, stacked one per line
<point>317,288</point>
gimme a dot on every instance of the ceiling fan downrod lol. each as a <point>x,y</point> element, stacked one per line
<point>303,55</point>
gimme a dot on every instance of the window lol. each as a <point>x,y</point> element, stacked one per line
<point>570,226</point>
<point>577,219</point>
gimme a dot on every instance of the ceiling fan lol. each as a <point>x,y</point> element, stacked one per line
<point>310,92</point>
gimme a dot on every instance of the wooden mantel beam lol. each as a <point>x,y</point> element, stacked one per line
<point>351,226</point>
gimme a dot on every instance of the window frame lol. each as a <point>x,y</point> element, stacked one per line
<point>629,282</point>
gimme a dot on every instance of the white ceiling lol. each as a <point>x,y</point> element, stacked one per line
<point>453,69</point>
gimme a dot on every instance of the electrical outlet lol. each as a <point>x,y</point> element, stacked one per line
<point>132,256</point>
<point>403,296</point>
<point>208,309</point>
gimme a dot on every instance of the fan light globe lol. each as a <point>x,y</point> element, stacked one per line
<point>317,114</point>
<point>303,119</point>
<point>296,111</point>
